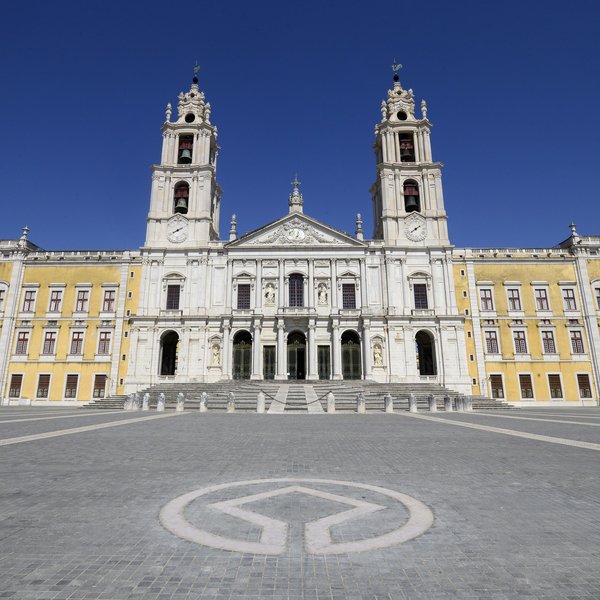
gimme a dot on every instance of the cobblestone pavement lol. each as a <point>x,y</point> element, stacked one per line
<point>513,517</point>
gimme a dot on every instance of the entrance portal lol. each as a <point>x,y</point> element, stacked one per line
<point>351,355</point>
<point>168,353</point>
<point>425,353</point>
<point>242,355</point>
<point>296,349</point>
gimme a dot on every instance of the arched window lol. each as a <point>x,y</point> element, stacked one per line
<point>296,289</point>
<point>184,152</point>
<point>181,198</point>
<point>169,342</point>
<point>425,347</point>
<point>412,201</point>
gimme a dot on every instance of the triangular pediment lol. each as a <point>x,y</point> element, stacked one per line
<point>295,229</point>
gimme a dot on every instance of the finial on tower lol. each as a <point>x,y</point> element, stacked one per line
<point>573,229</point>
<point>233,228</point>
<point>25,233</point>
<point>295,200</point>
<point>359,227</point>
<point>196,70</point>
<point>395,68</point>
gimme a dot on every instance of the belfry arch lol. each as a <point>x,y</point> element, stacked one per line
<point>169,342</point>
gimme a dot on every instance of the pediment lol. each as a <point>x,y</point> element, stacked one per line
<point>296,230</point>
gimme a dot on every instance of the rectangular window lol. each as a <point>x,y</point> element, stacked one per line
<point>491,342</point>
<point>487,301</point>
<point>29,301</point>
<point>108,305</point>
<point>71,386</point>
<point>243,296</point>
<point>555,386</point>
<point>514,299</point>
<point>49,342</point>
<point>520,342</point>
<point>77,343</point>
<point>14,391</point>
<point>43,387</point>
<point>348,295</point>
<point>81,305</point>
<point>577,342</point>
<point>526,386</point>
<point>296,285</point>
<point>541,299</point>
<point>173,293</point>
<point>55,301</point>
<point>420,291</point>
<point>2,297</point>
<point>99,386</point>
<point>496,385</point>
<point>548,342</point>
<point>597,299</point>
<point>22,342</point>
<point>585,389</point>
<point>569,299</point>
<point>104,342</point>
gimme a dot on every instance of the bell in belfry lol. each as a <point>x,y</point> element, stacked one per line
<point>181,206</point>
<point>185,156</point>
<point>411,203</point>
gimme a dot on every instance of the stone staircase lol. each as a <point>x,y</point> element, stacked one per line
<point>290,397</point>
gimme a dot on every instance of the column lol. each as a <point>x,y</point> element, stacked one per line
<point>256,371</point>
<point>226,354</point>
<point>405,300</point>
<point>334,290</point>
<point>396,147</point>
<point>258,292</point>
<point>366,348</point>
<point>336,351</point>
<point>384,148</point>
<point>228,285</point>
<point>311,279</point>
<point>312,352</point>
<point>281,351</point>
<point>281,295</point>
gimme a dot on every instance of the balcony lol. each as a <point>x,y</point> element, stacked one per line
<point>422,312</point>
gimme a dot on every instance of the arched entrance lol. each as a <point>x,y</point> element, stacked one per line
<point>425,353</point>
<point>242,355</point>
<point>296,352</point>
<point>168,352</point>
<point>351,368</point>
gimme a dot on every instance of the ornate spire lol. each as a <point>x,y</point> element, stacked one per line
<point>400,103</point>
<point>295,200</point>
<point>191,107</point>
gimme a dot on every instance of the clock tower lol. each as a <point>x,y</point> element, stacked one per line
<point>408,203</point>
<point>185,197</point>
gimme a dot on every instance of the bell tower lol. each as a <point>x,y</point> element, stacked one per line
<point>185,197</point>
<point>408,202</point>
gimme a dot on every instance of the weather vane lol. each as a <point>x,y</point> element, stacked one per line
<point>395,68</point>
<point>296,183</point>
<point>196,69</point>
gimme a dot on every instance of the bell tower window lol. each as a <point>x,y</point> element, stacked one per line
<point>407,147</point>
<point>182,196</point>
<point>412,201</point>
<point>184,154</point>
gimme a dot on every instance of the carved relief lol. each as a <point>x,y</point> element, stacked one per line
<point>295,232</point>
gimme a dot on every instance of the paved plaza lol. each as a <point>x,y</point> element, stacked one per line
<point>117,505</point>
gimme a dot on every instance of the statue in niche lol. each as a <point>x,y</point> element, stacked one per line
<point>216,355</point>
<point>377,356</point>
<point>270,294</point>
<point>322,294</point>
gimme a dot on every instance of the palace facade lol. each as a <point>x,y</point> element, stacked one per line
<point>297,298</point>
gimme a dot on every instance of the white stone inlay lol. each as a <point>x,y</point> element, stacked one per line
<point>317,537</point>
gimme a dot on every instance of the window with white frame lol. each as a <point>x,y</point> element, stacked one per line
<point>491,342</point>
<point>55,301</point>
<point>577,342</point>
<point>29,300</point>
<point>82,300</point>
<point>2,298</point>
<point>514,298</point>
<point>296,290</point>
<point>108,303</point>
<point>548,343</point>
<point>22,342</point>
<point>497,386</point>
<point>583,383</point>
<point>526,385</point>
<point>49,342</point>
<point>43,387</point>
<point>243,296</point>
<point>99,386</point>
<point>597,290</point>
<point>555,386</point>
<point>104,342</point>
<point>348,295</point>
<point>420,295</point>
<point>569,301</point>
<point>520,339</point>
<point>541,299</point>
<point>76,343</point>
<point>71,386</point>
<point>173,296</point>
<point>487,299</point>
<point>16,381</point>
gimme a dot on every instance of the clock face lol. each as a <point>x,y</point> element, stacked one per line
<point>177,231</point>
<point>415,231</point>
<point>295,234</point>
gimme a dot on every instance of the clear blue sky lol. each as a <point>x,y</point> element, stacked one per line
<point>512,88</point>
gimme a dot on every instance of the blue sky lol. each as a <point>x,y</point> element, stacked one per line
<point>512,90</point>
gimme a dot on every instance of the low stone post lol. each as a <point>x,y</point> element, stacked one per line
<point>468,403</point>
<point>460,404</point>
<point>128,402</point>
<point>160,405</point>
<point>412,403</point>
<point>146,402</point>
<point>180,402</point>
<point>432,403</point>
<point>361,406</point>
<point>203,402</point>
<point>230,402</point>
<point>260,402</point>
<point>137,404</point>
<point>388,403</point>
<point>447,404</point>
<point>330,402</point>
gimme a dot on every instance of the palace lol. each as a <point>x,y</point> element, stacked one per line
<point>297,298</point>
